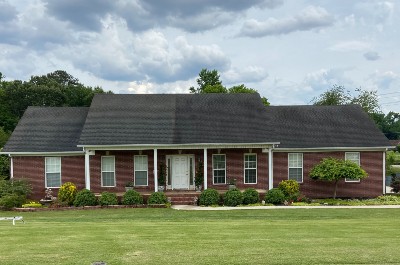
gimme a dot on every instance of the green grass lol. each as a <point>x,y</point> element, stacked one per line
<point>166,236</point>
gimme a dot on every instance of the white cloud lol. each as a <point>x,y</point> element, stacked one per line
<point>350,46</point>
<point>244,75</point>
<point>308,19</point>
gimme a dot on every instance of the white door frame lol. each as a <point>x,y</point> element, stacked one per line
<point>190,159</point>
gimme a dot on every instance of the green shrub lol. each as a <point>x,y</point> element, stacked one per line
<point>67,193</point>
<point>233,197</point>
<point>209,197</point>
<point>10,201</point>
<point>290,188</point>
<point>250,196</point>
<point>395,185</point>
<point>275,196</point>
<point>32,205</point>
<point>108,198</point>
<point>132,197</point>
<point>158,197</point>
<point>85,198</point>
<point>18,187</point>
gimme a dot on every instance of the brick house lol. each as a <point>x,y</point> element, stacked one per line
<point>122,138</point>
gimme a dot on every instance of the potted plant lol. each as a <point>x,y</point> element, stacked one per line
<point>232,183</point>
<point>162,173</point>
<point>129,185</point>
<point>199,176</point>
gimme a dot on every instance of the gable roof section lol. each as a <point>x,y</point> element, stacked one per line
<point>173,119</point>
<point>325,126</point>
<point>48,129</point>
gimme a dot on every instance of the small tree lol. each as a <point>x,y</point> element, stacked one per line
<point>332,169</point>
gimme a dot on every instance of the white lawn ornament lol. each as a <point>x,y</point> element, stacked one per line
<point>15,218</point>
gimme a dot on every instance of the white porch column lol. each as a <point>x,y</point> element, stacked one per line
<point>205,168</point>
<point>11,168</point>
<point>87,169</point>
<point>384,171</point>
<point>270,169</point>
<point>155,171</point>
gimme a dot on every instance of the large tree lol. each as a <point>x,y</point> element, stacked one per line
<point>332,169</point>
<point>209,82</point>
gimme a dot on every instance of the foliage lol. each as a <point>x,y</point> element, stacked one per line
<point>157,198</point>
<point>67,193</point>
<point>233,197</point>
<point>395,185</point>
<point>209,197</point>
<point>4,167</point>
<point>162,173</point>
<point>250,196</point>
<point>332,169</point>
<point>85,197</point>
<point>54,89</point>
<point>32,205</point>
<point>132,197</point>
<point>108,198</point>
<point>199,176</point>
<point>10,201</point>
<point>3,137</point>
<point>389,124</point>
<point>390,159</point>
<point>289,187</point>
<point>209,82</point>
<point>274,196</point>
<point>18,187</point>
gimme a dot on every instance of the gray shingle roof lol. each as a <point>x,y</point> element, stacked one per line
<point>48,129</point>
<point>176,119</point>
<point>325,126</point>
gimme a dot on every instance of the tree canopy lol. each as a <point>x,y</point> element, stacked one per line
<point>209,82</point>
<point>332,169</point>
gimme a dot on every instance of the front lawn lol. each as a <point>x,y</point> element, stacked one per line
<point>166,236</point>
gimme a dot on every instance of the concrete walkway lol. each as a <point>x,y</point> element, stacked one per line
<point>199,208</point>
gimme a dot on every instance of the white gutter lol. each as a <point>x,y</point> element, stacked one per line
<point>332,149</point>
<point>70,153</point>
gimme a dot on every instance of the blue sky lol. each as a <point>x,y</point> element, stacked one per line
<point>290,51</point>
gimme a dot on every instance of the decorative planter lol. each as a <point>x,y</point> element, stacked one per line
<point>160,188</point>
<point>198,188</point>
<point>128,188</point>
<point>232,186</point>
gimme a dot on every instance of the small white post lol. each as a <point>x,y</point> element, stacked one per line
<point>270,169</point>
<point>155,171</point>
<point>87,169</point>
<point>205,168</point>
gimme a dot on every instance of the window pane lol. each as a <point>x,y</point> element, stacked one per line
<point>219,176</point>
<point>250,169</point>
<point>141,163</point>
<point>108,179</point>
<point>107,163</point>
<point>141,178</point>
<point>354,157</point>
<point>53,180</point>
<point>296,174</point>
<point>250,176</point>
<point>53,164</point>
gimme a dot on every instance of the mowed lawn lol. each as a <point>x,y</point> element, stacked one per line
<point>167,236</point>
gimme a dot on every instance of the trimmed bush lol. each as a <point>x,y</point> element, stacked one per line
<point>233,197</point>
<point>158,197</point>
<point>85,198</point>
<point>250,196</point>
<point>132,197</point>
<point>209,197</point>
<point>395,185</point>
<point>275,196</point>
<point>67,193</point>
<point>108,198</point>
<point>10,201</point>
<point>18,187</point>
<point>290,188</point>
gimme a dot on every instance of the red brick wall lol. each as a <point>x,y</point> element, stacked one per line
<point>33,169</point>
<point>371,162</point>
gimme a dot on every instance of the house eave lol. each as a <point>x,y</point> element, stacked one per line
<point>179,146</point>
<point>333,149</point>
<point>66,153</point>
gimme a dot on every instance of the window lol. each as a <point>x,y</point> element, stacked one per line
<point>295,161</point>
<point>53,172</point>
<point>250,169</point>
<point>354,157</point>
<point>141,170</point>
<point>219,166</point>
<point>108,171</point>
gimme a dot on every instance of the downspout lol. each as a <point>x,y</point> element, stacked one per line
<point>155,170</point>
<point>384,171</point>
<point>11,167</point>
<point>87,169</point>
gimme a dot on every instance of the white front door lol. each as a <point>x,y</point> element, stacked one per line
<point>180,172</point>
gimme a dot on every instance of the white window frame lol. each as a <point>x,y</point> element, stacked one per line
<point>115,183</point>
<point>244,169</point>
<point>355,161</point>
<point>219,169</point>
<point>46,172</point>
<point>147,170</point>
<point>302,166</point>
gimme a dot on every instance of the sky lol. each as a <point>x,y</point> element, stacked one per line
<point>291,51</point>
